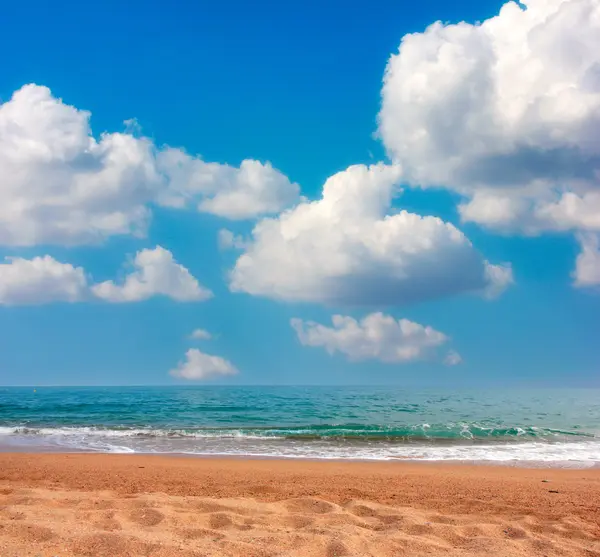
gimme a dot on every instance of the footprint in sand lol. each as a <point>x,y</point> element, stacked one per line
<point>310,505</point>
<point>390,520</point>
<point>363,511</point>
<point>13,515</point>
<point>31,532</point>
<point>209,507</point>
<point>199,533</point>
<point>146,517</point>
<point>297,521</point>
<point>515,533</point>
<point>219,520</point>
<point>440,519</point>
<point>98,505</point>
<point>245,549</point>
<point>102,545</point>
<point>418,529</point>
<point>108,522</point>
<point>379,521</point>
<point>336,548</point>
<point>472,532</point>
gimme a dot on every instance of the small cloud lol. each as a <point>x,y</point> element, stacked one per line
<point>587,266</point>
<point>237,193</point>
<point>156,273</point>
<point>453,358</point>
<point>499,278</point>
<point>200,334</point>
<point>132,127</point>
<point>228,240</point>
<point>199,366</point>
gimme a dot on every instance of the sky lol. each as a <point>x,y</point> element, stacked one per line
<point>318,193</point>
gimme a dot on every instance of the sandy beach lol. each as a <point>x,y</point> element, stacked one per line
<point>58,505</point>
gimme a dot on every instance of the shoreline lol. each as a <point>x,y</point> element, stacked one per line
<point>575,454</point>
<point>509,464</point>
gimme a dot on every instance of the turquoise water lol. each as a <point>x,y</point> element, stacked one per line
<point>553,427</point>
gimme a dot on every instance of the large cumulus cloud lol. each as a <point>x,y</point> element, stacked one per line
<point>505,112</point>
<point>61,185</point>
<point>350,248</point>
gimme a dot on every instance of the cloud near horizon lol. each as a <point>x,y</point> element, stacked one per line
<point>199,366</point>
<point>375,337</point>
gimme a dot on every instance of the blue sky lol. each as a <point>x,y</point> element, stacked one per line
<point>300,86</point>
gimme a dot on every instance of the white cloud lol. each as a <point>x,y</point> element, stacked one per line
<point>200,334</point>
<point>226,239</point>
<point>156,273</point>
<point>246,192</point>
<point>346,248</point>
<point>453,358</point>
<point>505,112</point>
<point>514,211</point>
<point>199,366</point>
<point>41,280</point>
<point>375,337</point>
<point>60,185</point>
<point>498,278</point>
<point>587,266</point>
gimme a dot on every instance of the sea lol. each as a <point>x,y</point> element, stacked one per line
<point>550,428</point>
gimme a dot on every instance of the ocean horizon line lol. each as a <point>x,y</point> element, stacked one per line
<point>311,385</point>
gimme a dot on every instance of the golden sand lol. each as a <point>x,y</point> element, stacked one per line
<point>123,505</point>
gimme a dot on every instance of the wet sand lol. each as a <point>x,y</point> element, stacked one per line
<point>59,505</point>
